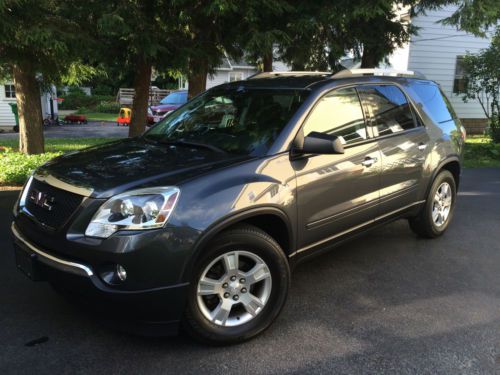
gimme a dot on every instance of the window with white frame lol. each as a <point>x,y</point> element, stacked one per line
<point>10,91</point>
<point>460,81</point>
<point>235,76</point>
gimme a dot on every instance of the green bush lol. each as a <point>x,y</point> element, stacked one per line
<point>78,101</point>
<point>481,153</point>
<point>108,107</point>
<point>16,167</point>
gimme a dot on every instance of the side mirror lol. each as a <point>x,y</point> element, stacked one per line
<point>320,143</point>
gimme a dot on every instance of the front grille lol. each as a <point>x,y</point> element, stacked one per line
<point>55,208</point>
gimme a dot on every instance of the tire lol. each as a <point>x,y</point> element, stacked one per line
<point>248,244</point>
<point>427,225</point>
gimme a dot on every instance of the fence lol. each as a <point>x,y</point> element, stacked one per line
<point>126,96</point>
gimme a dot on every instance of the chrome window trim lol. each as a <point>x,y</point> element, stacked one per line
<point>50,260</point>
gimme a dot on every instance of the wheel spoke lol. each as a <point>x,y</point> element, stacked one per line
<point>435,216</point>
<point>252,304</point>
<point>447,201</point>
<point>207,287</point>
<point>231,262</point>
<point>445,190</point>
<point>258,273</point>
<point>221,313</point>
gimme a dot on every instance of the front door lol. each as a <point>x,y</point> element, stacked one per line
<point>337,193</point>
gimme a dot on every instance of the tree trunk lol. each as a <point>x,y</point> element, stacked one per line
<point>267,61</point>
<point>140,106</point>
<point>29,107</point>
<point>368,60</point>
<point>198,71</point>
<point>298,66</point>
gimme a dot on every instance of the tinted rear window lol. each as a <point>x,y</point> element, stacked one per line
<point>390,110</point>
<point>434,103</point>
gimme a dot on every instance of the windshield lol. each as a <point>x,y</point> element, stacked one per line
<point>240,121</point>
<point>175,98</point>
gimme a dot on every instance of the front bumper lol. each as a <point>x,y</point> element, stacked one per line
<point>152,311</point>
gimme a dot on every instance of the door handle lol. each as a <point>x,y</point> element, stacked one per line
<point>422,146</point>
<point>369,161</point>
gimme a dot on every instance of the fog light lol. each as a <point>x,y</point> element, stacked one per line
<point>121,273</point>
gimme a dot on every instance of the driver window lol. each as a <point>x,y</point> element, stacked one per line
<point>338,113</point>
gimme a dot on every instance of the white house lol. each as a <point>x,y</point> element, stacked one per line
<point>230,70</point>
<point>437,52</point>
<point>8,96</point>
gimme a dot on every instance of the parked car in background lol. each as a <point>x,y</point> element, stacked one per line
<point>169,103</point>
<point>202,219</point>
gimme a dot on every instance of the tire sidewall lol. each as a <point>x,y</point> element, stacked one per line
<point>270,252</point>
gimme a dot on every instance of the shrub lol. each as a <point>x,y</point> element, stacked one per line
<point>77,101</point>
<point>481,153</point>
<point>16,167</point>
<point>108,107</point>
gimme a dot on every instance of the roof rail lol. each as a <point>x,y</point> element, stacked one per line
<point>346,73</point>
<point>288,74</point>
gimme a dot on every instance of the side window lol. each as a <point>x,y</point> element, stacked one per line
<point>433,102</point>
<point>338,113</point>
<point>390,111</point>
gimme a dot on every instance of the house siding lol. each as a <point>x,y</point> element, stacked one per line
<point>7,119</point>
<point>6,116</point>
<point>434,50</point>
<point>222,76</point>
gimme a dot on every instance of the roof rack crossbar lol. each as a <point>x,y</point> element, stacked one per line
<point>346,73</point>
<point>288,74</point>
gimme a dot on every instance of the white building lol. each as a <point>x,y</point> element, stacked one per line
<point>8,96</point>
<point>436,52</point>
<point>230,70</point>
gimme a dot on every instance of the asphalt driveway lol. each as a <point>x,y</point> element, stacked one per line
<point>101,129</point>
<point>385,303</point>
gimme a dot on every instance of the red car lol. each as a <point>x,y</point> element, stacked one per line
<point>168,104</point>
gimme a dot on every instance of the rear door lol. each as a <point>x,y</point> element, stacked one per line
<point>403,143</point>
<point>336,193</point>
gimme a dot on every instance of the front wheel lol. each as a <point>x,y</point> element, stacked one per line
<point>436,215</point>
<point>239,287</point>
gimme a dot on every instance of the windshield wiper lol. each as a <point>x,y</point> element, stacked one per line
<point>182,142</point>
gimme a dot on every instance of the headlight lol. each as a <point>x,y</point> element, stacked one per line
<point>134,210</point>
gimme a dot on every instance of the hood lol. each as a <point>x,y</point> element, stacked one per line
<point>164,107</point>
<point>115,167</point>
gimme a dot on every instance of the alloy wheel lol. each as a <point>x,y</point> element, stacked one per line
<point>234,288</point>
<point>441,205</point>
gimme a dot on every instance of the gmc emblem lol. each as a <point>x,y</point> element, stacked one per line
<point>41,199</point>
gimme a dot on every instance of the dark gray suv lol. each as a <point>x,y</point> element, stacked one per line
<point>200,220</point>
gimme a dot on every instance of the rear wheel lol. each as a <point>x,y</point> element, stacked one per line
<point>436,215</point>
<point>239,287</point>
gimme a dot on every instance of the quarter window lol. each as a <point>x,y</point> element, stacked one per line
<point>10,91</point>
<point>338,113</point>
<point>390,111</point>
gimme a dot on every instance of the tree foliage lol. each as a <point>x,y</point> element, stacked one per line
<point>39,45</point>
<point>483,83</point>
<point>475,16</point>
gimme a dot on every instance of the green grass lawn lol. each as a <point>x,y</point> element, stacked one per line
<point>481,152</point>
<point>96,116</point>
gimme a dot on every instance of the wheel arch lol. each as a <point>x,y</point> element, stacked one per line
<point>271,220</point>
<point>451,164</point>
